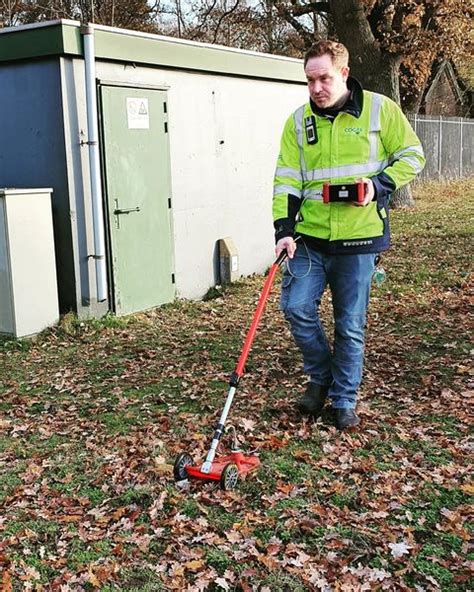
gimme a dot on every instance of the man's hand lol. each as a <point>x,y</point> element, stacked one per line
<point>369,192</point>
<point>287,243</point>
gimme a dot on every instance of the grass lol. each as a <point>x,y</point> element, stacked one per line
<point>92,414</point>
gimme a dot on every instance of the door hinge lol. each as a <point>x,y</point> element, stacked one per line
<point>166,127</point>
<point>165,107</point>
<point>169,202</point>
<point>173,281</point>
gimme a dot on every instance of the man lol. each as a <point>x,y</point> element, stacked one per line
<point>342,136</point>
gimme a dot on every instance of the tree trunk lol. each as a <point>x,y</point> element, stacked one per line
<point>377,71</point>
<point>402,198</point>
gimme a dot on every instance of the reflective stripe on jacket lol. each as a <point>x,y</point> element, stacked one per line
<point>349,147</point>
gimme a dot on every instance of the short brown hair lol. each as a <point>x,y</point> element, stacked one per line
<point>338,52</point>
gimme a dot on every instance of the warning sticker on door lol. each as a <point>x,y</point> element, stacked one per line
<point>138,115</point>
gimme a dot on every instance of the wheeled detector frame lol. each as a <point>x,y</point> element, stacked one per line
<point>227,469</point>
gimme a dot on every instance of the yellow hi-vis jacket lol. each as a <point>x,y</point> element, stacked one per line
<point>379,143</point>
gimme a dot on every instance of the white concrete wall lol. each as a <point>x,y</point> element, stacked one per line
<point>224,141</point>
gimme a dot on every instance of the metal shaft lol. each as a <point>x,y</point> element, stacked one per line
<point>206,467</point>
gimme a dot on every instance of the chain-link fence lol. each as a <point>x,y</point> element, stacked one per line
<point>448,143</point>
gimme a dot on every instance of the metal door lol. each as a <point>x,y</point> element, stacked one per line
<point>138,196</point>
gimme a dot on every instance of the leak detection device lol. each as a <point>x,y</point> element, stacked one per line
<point>348,192</point>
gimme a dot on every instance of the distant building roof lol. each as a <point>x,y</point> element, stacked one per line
<point>446,93</point>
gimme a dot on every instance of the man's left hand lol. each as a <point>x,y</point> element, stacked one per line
<point>369,192</point>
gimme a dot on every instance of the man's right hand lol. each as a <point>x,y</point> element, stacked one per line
<point>288,243</point>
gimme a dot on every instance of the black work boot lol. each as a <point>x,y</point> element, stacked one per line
<point>312,402</point>
<point>347,418</point>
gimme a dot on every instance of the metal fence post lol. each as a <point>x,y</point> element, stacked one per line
<point>440,143</point>
<point>460,149</point>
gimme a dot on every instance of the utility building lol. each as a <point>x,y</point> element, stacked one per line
<point>155,149</point>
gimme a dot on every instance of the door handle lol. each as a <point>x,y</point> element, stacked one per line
<point>126,210</point>
<point>119,211</point>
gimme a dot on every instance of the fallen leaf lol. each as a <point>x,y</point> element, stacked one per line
<point>194,565</point>
<point>222,583</point>
<point>6,581</point>
<point>399,549</point>
<point>468,488</point>
<point>163,468</point>
<point>248,424</point>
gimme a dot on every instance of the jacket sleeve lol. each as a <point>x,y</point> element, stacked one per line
<point>406,157</point>
<point>383,187</point>
<point>288,183</point>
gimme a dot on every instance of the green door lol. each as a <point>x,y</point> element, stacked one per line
<point>138,196</point>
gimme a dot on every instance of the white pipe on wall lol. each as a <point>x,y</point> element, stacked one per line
<point>94,163</point>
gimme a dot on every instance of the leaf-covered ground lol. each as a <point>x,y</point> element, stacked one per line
<point>94,413</point>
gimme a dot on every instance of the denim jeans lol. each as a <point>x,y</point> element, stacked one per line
<point>349,278</point>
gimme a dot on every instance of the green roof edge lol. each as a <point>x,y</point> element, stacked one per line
<point>26,43</point>
<point>64,38</point>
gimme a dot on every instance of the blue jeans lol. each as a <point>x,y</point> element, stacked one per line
<point>349,278</point>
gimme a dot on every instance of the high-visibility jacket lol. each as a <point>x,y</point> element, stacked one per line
<point>377,141</point>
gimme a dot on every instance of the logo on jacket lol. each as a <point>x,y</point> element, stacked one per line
<point>357,243</point>
<point>353,130</point>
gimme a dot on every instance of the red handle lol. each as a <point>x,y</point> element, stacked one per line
<point>326,198</point>
<point>239,370</point>
<point>361,187</point>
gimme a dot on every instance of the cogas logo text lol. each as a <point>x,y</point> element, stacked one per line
<point>353,130</point>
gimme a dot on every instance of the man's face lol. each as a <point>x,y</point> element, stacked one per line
<point>326,82</point>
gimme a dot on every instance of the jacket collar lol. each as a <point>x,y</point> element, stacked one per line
<point>353,105</point>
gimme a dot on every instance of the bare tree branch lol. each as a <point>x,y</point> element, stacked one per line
<point>203,20</point>
<point>224,15</point>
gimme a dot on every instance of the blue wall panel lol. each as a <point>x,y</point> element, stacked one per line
<point>32,151</point>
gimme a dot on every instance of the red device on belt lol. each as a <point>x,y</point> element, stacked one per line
<point>344,193</point>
